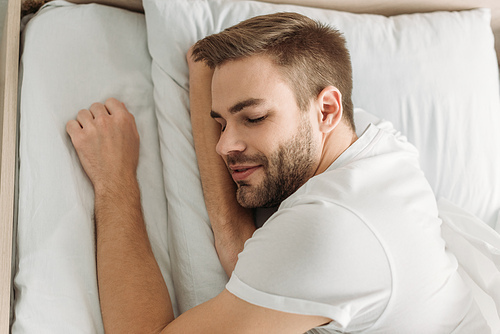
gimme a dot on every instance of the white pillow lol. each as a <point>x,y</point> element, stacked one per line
<point>434,76</point>
<point>74,56</point>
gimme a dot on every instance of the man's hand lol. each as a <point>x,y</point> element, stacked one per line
<point>107,142</point>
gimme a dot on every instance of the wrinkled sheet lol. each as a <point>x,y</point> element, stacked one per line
<point>477,249</point>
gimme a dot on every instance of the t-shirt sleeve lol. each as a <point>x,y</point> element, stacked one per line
<point>315,258</point>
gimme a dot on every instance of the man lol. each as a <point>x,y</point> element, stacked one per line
<point>355,245</point>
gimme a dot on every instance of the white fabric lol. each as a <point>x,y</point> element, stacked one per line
<point>360,244</point>
<point>74,56</point>
<point>477,248</point>
<point>433,75</point>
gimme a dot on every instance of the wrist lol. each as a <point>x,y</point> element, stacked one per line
<point>238,226</point>
<point>116,186</point>
<point>230,237</point>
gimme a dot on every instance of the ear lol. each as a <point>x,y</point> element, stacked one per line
<point>330,107</point>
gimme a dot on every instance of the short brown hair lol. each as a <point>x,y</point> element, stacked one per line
<point>310,55</point>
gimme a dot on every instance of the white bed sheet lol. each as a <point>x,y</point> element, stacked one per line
<point>477,249</point>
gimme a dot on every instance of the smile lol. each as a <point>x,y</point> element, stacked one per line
<point>240,173</point>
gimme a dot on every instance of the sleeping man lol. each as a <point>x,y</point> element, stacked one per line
<point>355,245</point>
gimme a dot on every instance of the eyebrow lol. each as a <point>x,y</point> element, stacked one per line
<point>238,107</point>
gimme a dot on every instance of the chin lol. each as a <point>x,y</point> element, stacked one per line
<point>244,198</point>
<point>253,198</point>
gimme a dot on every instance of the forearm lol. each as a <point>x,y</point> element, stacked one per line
<point>232,224</point>
<point>133,295</point>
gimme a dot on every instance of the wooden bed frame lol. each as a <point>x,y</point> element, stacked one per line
<point>9,60</point>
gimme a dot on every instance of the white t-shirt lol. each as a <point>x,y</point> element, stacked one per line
<point>361,245</point>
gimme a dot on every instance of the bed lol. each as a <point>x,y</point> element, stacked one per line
<point>429,69</point>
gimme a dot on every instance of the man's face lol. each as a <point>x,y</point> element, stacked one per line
<point>268,144</point>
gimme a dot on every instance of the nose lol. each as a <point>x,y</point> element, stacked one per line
<point>230,141</point>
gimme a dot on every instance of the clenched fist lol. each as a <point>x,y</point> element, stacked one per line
<point>107,142</point>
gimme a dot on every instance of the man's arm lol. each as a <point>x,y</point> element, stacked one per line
<point>129,279</point>
<point>232,224</point>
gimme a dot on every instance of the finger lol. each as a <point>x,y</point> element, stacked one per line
<point>98,109</point>
<point>72,126</point>
<point>114,106</point>
<point>84,117</point>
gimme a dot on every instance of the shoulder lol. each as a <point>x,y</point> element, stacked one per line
<point>328,231</point>
<point>315,256</point>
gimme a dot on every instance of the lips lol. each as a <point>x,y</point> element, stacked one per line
<point>240,173</point>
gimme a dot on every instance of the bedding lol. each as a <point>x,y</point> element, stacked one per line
<point>73,56</point>
<point>434,76</point>
<point>478,252</point>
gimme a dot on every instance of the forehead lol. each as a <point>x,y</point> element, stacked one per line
<point>255,77</point>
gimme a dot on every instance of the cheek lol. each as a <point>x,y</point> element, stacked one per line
<point>268,137</point>
<point>264,141</point>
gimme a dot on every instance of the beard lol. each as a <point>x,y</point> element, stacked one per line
<point>286,170</point>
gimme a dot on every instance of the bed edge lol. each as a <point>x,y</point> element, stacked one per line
<point>9,60</point>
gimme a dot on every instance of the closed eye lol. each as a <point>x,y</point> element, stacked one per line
<point>256,120</point>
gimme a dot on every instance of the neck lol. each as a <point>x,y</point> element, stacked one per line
<point>334,144</point>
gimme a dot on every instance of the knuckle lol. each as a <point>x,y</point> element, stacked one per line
<point>95,105</point>
<point>100,119</point>
<point>125,117</point>
<point>119,116</point>
<point>112,103</point>
<point>110,100</point>
<point>82,112</point>
<point>70,126</point>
